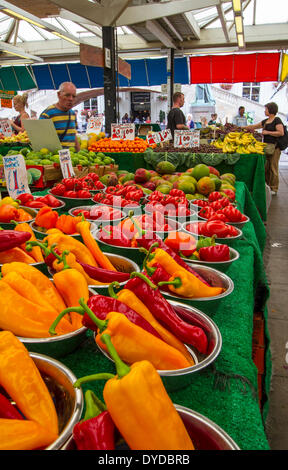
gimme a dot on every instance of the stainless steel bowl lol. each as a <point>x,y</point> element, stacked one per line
<point>98,221</point>
<point>68,400</point>
<point>204,433</point>
<point>57,346</point>
<point>11,226</point>
<point>228,240</point>
<point>40,234</point>
<point>181,378</point>
<point>219,265</point>
<point>72,201</point>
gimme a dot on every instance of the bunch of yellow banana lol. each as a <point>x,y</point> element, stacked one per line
<point>217,143</point>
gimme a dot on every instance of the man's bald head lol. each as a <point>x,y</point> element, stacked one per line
<point>66,96</point>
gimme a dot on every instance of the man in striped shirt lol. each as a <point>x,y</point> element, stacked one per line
<point>63,116</point>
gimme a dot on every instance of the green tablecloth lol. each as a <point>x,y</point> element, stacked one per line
<point>225,392</point>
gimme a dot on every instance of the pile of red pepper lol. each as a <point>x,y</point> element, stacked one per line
<point>78,187</point>
<point>28,200</point>
<point>213,227</point>
<point>220,208</point>
<point>120,196</point>
<point>173,204</point>
<point>105,213</point>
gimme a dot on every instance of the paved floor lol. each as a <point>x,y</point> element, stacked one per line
<point>276,262</point>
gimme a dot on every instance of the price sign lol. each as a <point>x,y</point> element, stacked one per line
<point>66,163</point>
<point>5,127</point>
<point>157,137</point>
<point>94,125</point>
<point>186,138</point>
<point>15,175</point>
<point>123,131</point>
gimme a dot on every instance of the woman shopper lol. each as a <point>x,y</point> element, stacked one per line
<point>20,102</point>
<point>272,128</point>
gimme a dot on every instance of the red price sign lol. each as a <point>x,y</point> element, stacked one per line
<point>95,125</point>
<point>186,139</point>
<point>122,131</point>
<point>157,137</point>
<point>5,127</point>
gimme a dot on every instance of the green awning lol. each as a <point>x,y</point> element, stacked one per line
<point>18,78</point>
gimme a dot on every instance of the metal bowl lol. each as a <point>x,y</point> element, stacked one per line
<point>207,304</point>
<point>57,346</point>
<point>181,378</point>
<point>68,400</point>
<point>72,201</point>
<point>98,221</point>
<point>219,265</point>
<point>40,234</point>
<point>204,433</point>
<point>11,226</point>
<point>228,240</point>
<point>133,254</point>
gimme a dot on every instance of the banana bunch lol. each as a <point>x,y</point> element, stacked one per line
<point>239,142</point>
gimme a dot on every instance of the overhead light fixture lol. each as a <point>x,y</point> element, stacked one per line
<point>22,17</point>
<point>65,37</point>
<point>237,5</point>
<point>240,39</point>
<point>238,24</point>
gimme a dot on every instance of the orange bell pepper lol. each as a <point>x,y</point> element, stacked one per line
<point>22,215</point>
<point>67,223</point>
<point>46,218</point>
<point>35,252</point>
<point>15,254</point>
<point>7,213</point>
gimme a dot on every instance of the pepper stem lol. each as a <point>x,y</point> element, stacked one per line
<point>90,378</point>
<point>94,405</point>
<point>177,282</point>
<point>111,291</point>
<point>106,231</point>
<point>101,324</point>
<point>135,223</point>
<point>62,259</point>
<point>121,368</point>
<point>144,278</point>
<point>150,271</point>
<point>44,247</point>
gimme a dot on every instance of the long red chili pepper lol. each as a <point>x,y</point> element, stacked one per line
<point>7,410</point>
<point>11,239</point>
<point>104,275</point>
<point>148,293</point>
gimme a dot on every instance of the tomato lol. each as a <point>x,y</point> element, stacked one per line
<point>69,183</point>
<point>233,214</point>
<point>59,189</point>
<point>217,227</point>
<point>214,196</point>
<point>233,232</point>
<point>70,194</point>
<point>206,212</point>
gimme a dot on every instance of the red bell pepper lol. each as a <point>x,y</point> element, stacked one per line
<point>113,235</point>
<point>50,200</point>
<point>215,253</point>
<point>96,431</point>
<point>35,204</point>
<point>24,198</point>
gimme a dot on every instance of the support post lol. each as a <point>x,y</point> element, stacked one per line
<point>170,77</point>
<point>109,75</point>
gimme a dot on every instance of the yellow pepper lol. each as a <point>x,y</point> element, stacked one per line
<point>182,282</point>
<point>9,200</point>
<point>140,407</point>
<point>17,434</point>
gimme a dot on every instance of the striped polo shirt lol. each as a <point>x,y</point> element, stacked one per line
<point>60,120</point>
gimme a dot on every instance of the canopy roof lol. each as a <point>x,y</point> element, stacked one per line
<point>145,28</point>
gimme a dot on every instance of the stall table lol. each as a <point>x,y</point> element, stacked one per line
<point>227,391</point>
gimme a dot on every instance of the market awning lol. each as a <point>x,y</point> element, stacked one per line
<point>234,68</point>
<point>144,72</point>
<point>17,78</point>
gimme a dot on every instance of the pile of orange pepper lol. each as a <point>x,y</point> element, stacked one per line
<point>48,218</point>
<point>9,212</point>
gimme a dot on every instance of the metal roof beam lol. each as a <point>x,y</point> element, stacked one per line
<point>223,22</point>
<point>172,28</point>
<point>138,14</point>
<point>192,23</point>
<point>11,51</point>
<point>160,33</point>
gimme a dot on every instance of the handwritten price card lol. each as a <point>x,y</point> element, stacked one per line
<point>123,131</point>
<point>95,125</point>
<point>185,138</point>
<point>157,137</point>
<point>15,175</point>
<point>66,163</point>
<point>5,127</point>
